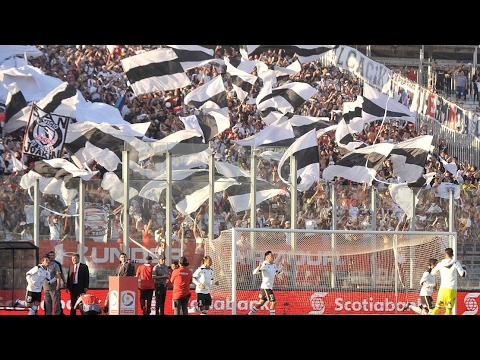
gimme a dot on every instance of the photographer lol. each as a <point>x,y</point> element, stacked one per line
<point>125,267</point>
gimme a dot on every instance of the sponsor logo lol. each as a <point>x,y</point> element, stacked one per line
<point>317,303</point>
<point>471,304</point>
<point>367,305</point>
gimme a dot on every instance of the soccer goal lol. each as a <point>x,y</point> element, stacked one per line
<point>326,271</point>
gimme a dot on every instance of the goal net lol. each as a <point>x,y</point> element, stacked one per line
<point>326,272</point>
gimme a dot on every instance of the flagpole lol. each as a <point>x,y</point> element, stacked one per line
<point>253,189</point>
<point>25,135</point>
<point>211,201</point>
<point>126,200</point>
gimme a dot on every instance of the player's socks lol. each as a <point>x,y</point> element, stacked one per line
<point>272,311</point>
<point>33,310</point>
<point>252,311</point>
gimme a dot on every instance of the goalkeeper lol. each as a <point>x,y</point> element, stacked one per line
<point>428,286</point>
<point>448,269</point>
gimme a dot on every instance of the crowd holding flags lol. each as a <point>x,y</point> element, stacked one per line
<point>61,121</point>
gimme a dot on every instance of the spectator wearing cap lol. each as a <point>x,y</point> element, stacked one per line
<point>181,279</point>
<point>161,273</point>
<point>147,285</point>
<point>55,228</point>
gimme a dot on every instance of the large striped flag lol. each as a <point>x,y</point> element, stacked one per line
<point>208,125</point>
<point>191,56</point>
<point>283,73</point>
<point>193,201</point>
<point>15,108</point>
<point>104,144</point>
<point>284,131</point>
<point>409,157</point>
<point>360,165</point>
<point>401,193</point>
<point>242,81</point>
<point>154,70</point>
<point>209,96</point>
<point>344,136</point>
<point>308,53</point>
<point>180,142</point>
<point>352,114</point>
<point>239,194</point>
<point>61,101</point>
<point>378,106</point>
<point>305,150</point>
<point>242,201</point>
<point>288,97</point>
<point>305,53</point>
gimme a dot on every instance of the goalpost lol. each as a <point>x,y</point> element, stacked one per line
<point>326,271</point>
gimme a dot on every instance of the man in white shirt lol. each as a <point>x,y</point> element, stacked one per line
<point>448,269</point>
<point>35,281</point>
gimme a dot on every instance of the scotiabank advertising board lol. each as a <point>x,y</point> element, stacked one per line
<point>296,303</point>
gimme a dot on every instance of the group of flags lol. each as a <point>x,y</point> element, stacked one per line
<point>63,122</point>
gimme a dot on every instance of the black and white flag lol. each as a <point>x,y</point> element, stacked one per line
<point>191,56</point>
<point>45,134</point>
<point>242,81</point>
<point>283,73</point>
<point>401,193</point>
<point>242,202</point>
<point>287,98</point>
<point>154,70</point>
<point>409,157</point>
<point>208,125</point>
<point>15,108</point>
<point>360,165</point>
<point>192,202</point>
<point>308,53</point>
<point>352,113</point>
<point>344,136</point>
<point>378,106</point>
<point>104,143</point>
<point>209,96</point>
<point>284,131</point>
<point>305,150</point>
<point>304,53</point>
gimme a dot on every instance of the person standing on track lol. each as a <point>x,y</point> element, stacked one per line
<point>269,270</point>
<point>203,280</point>
<point>448,269</point>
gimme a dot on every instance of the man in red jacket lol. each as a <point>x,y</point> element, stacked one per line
<point>147,285</point>
<point>181,279</point>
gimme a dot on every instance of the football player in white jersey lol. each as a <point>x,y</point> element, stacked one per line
<point>269,270</point>
<point>35,278</point>
<point>203,279</point>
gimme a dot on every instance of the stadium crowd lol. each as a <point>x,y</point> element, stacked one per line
<point>98,75</point>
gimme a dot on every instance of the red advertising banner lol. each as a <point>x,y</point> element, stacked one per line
<point>290,302</point>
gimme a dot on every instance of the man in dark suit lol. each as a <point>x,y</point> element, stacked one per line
<point>125,267</point>
<point>78,280</point>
